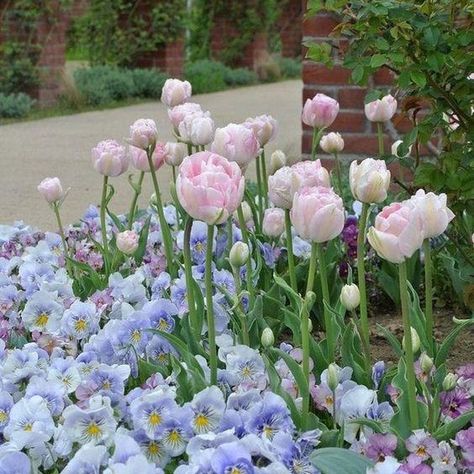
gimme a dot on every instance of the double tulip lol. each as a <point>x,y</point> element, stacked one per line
<point>197,129</point>
<point>177,113</point>
<point>175,92</point>
<point>175,153</point>
<point>369,180</point>
<point>312,173</point>
<point>209,187</point>
<point>320,111</point>
<point>265,128</point>
<point>109,158</point>
<point>273,222</point>
<point>51,190</point>
<point>127,241</point>
<point>143,134</point>
<point>381,110</point>
<point>332,143</point>
<point>139,157</point>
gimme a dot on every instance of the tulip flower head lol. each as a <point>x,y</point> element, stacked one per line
<point>320,111</point>
<point>381,110</point>
<point>109,158</point>
<point>51,190</point>
<point>175,92</point>
<point>143,133</point>
<point>369,180</point>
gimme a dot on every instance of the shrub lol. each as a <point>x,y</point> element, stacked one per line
<point>240,77</point>
<point>15,105</point>
<point>289,67</point>
<point>206,76</point>
<point>148,82</point>
<point>269,70</point>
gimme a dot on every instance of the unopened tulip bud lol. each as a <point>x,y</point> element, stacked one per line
<point>267,338</point>
<point>175,153</point>
<point>127,241</point>
<point>450,381</point>
<point>395,146</point>
<point>415,341</point>
<point>333,376</point>
<point>332,143</point>
<point>273,222</point>
<point>350,296</point>
<point>277,160</point>
<point>426,363</point>
<point>239,254</point>
<point>51,190</point>
<point>381,110</point>
<point>310,326</point>
<point>246,211</point>
<point>152,200</point>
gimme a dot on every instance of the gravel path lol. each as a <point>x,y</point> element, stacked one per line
<point>60,146</point>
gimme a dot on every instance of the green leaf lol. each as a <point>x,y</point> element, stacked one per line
<point>418,77</point>
<point>391,339</point>
<point>378,60</point>
<point>373,95</point>
<point>320,53</point>
<point>358,74</point>
<point>340,461</point>
<point>447,344</point>
<point>449,430</point>
<point>142,241</point>
<point>295,298</point>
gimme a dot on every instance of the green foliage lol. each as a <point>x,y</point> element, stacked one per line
<point>340,461</point>
<point>15,105</point>
<point>289,67</point>
<point>239,77</point>
<point>116,32</point>
<point>105,84</point>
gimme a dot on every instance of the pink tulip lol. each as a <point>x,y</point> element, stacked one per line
<point>282,186</point>
<point>109,158</point>
<point>332,143</point>
<point>143,133</point>
<point>265,128</point>
<point>175,153</point>
<point>209,187</point>
<point>177,114</point>
<point>320,111</point>
<point>237,143</point>
<point>433,210</point>
<point>381,110</point>
<point>317,214</point>
<point>273,222</point>
<point>312,173</point>
<point>51,190</point>
<point>140,160</point>
<point>369,180</point>
<point>197,129</point>
<point>127,241</point>
<point>175,92</point>
<point>398,232</point>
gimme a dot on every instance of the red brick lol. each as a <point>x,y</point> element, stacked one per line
<point>309,93</point>
<point>383,77</point>
<point>320,25</point>
<point>320,74</point>
<point>346,122</point>
<point>364,144</point>
<point>351,98</point>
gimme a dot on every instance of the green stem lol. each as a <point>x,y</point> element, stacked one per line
<point>428,295</point>
<point>317,134</point>
<point>173,168</point>
<point>248,265</point>
<point>289,248</point>
<point>312,267</point>
<point>243,320</point>
<point>264,177</point>
<point>230,236</point>
<point>193,317</point>
<point>338,173</point>
<point>63,239</point>
<point>190,148</point>
<point>380,139</point>
<point>260,191</point>
<point>325,289</point>
<point>211,329</point>
<point>103,227</point>
<point>133,205</point>
<point>409,360</point>
<point>364,320</point>
<point>165,230</point>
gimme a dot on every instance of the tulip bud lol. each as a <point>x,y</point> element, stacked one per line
<point>333,379</point>
<point>175,153</point>
<point>239,254</point>
<point>246,211</point>
<point>381,110</point>
<point>450,381</point>
<point>152,200</point>
<point>395,146</point>
<point>310,326</point>
<point>350,296</point>
<point>267,338</point>
<point>369,180</point>
<point>127,241</point>
<point>277,161</point>
<point>426,363</point>
<point>51,190</point>
<point>143,133</point>
<point>273,222</point>
<point>415,341</point>
<point>332,143</point>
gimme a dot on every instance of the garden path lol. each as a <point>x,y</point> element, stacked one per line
<point>60,146</point>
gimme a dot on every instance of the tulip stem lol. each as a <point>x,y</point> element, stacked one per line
<point>364,321</point>
<point>211,329</point>
<point>260,192</point>
<point>55,207</point>
<point>165,230</point>
<point>193,317</point>
<point>244,330</point>
<point>289,249</point>
<point>133,205</point>
<point>317,133</point>
<point>428,295</point>
<point>230,237</point>
<point>409,360</point>
<point>338,173</point>
<point>263,169</point>
<point>248,265</point>
<point>103,227</point>
<point>173,169</point>
<point>380,139</point>
<point>326,301</point>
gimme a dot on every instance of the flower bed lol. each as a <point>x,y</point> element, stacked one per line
<point>213,334</point>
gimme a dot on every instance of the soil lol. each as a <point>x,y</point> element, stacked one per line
<point>461,353</point>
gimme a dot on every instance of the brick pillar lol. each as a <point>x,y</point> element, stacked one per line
<point>290,26</point>
<point>358,133</point>
<point>169,58</point>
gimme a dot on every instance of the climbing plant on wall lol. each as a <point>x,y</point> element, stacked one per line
<point>115,32</point>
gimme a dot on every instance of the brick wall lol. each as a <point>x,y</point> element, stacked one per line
<point>290,27</point>
<point>359,134</point>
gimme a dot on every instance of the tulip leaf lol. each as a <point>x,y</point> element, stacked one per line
<point>393,341</point>
<point>449,430</point>
<point>340,461</point>
<point>448,342</point>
